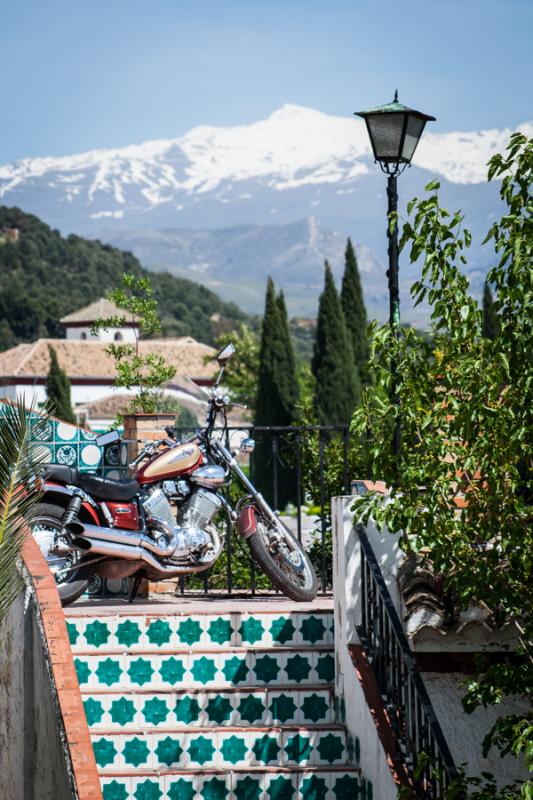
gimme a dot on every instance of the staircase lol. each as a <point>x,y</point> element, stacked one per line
<point>214,703</point>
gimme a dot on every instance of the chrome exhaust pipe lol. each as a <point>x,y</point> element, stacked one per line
<point>116,550</point>
<point>127,539</point>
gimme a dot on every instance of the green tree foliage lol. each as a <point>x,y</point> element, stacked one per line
<point>147,373</point>
<point>490,315</point>
<point>338,389</point>
<point>19,462</point>
<point>44,276</point>
<point>354,309</point>
<point>58,389</point>
<point>467,428</point>
<point>277,396</point>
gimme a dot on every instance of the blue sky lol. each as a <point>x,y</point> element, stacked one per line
<point>83,74</point>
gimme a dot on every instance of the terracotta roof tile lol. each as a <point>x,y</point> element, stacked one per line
<point>100,309</point>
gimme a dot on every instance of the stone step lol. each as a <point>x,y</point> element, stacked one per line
<point>261,706</point>
<point>299,666</point>
<point>208,631</point>
<point>279,783</point>
<point>226,749</point>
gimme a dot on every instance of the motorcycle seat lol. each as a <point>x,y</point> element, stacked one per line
<point>102,488</point>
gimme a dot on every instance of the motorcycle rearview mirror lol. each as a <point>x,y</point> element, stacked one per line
<point>225,355</point>
<point>107,438</point>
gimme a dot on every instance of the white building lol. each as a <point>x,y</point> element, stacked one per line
<point>90,369</point>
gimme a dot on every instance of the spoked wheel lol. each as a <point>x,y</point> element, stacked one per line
<point>284,560</point>
<point>45,525</point>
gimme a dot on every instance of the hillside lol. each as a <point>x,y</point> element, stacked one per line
<point>44,276</point>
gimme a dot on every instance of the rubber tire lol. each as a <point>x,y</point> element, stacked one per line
<point>73,588</point>
<point>276,575</point>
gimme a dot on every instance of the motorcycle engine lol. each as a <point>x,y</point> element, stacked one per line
<point>193,518</point>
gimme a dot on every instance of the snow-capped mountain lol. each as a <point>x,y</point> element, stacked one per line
<point>295,164</point>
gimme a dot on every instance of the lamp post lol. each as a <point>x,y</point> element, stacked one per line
<point>394,132</point>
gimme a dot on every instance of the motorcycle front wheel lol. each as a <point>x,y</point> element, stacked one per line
<point>284,560</point>
<point>45,523</point>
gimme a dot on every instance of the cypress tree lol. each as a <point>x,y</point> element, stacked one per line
<point>338,388</point>
<point>490,315</point>
<point>58,389</point>
<point>277,395</point>
<point>354,310</point>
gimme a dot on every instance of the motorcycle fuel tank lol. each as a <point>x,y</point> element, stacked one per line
<point>180,460</point>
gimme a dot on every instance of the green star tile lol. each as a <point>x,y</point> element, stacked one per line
<point>313,788</point>
<point>283,708</point>
<point>233,749</point>
<point>122,711</point>
<point>104,752</point>
<point>235,670</point>
<point>73,633</point>
<point>109,671</point>
<point>266,749</point>
<point>266,669</point>
<point>82,670</point>
<point>251,630</point>
<point>187,709</point>
<point>135,752</point>
<point>247,789</point>
<point>203,669</point>
<point>218,709</point>
<point>325,668</point>
<point>94,711</point>
<point>282,630</point>
<point>298,748</point>
<point>140,671</point>
<point>148,790</point>
<point>155,711</point>
<point>330,748</point>
<point>201,750</point>
<point>172,670</point>
<point>97,633</point>
<point>159,632</point>
<point>128,633</point>
<point>346,788</point>
<point>214,789</point>
<point>280,789</point>
<point>314,707</point>
<point>312,629</point>
<point>220,630</point>
<point>298,668</point>
<point>251,708</point>
<point>190,631</point>
<point>168,751</point>
<point>181,790</point>
<point>114,791</point>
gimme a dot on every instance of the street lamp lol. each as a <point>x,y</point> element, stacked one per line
<point>394,132</point>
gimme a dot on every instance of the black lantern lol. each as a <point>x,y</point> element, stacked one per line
<point>394,131</point>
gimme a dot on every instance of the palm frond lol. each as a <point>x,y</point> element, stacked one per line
<point>20,461</point>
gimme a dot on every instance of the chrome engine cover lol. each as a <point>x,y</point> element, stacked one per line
<point>157,505</point>
<point>194,516</point>
<point>199,509</point>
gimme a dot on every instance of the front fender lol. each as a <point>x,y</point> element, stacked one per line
<point>246,521</point>
<point>58,494</point>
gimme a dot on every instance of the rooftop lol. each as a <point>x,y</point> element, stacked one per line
<point>100,309</point>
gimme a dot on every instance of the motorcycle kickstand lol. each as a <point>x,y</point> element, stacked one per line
<point>134,588</point>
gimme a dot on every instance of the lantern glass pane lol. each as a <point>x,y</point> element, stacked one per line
<point>415,126</point>
<point>386,134</point>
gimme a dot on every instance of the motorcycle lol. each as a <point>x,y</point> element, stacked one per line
<point>166,521</point>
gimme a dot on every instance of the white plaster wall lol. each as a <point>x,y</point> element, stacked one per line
<point>465,732</point>
<point>358,719</point>
<point>128,334</point>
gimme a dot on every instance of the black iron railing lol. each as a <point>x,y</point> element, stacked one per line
<point>285,457</point>
<point>420,738</point>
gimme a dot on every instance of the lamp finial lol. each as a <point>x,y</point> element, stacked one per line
<point>396,96</point>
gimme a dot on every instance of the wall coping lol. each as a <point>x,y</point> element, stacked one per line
<point>61,662</point>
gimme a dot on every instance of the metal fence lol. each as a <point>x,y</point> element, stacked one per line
<point>420,738</point>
